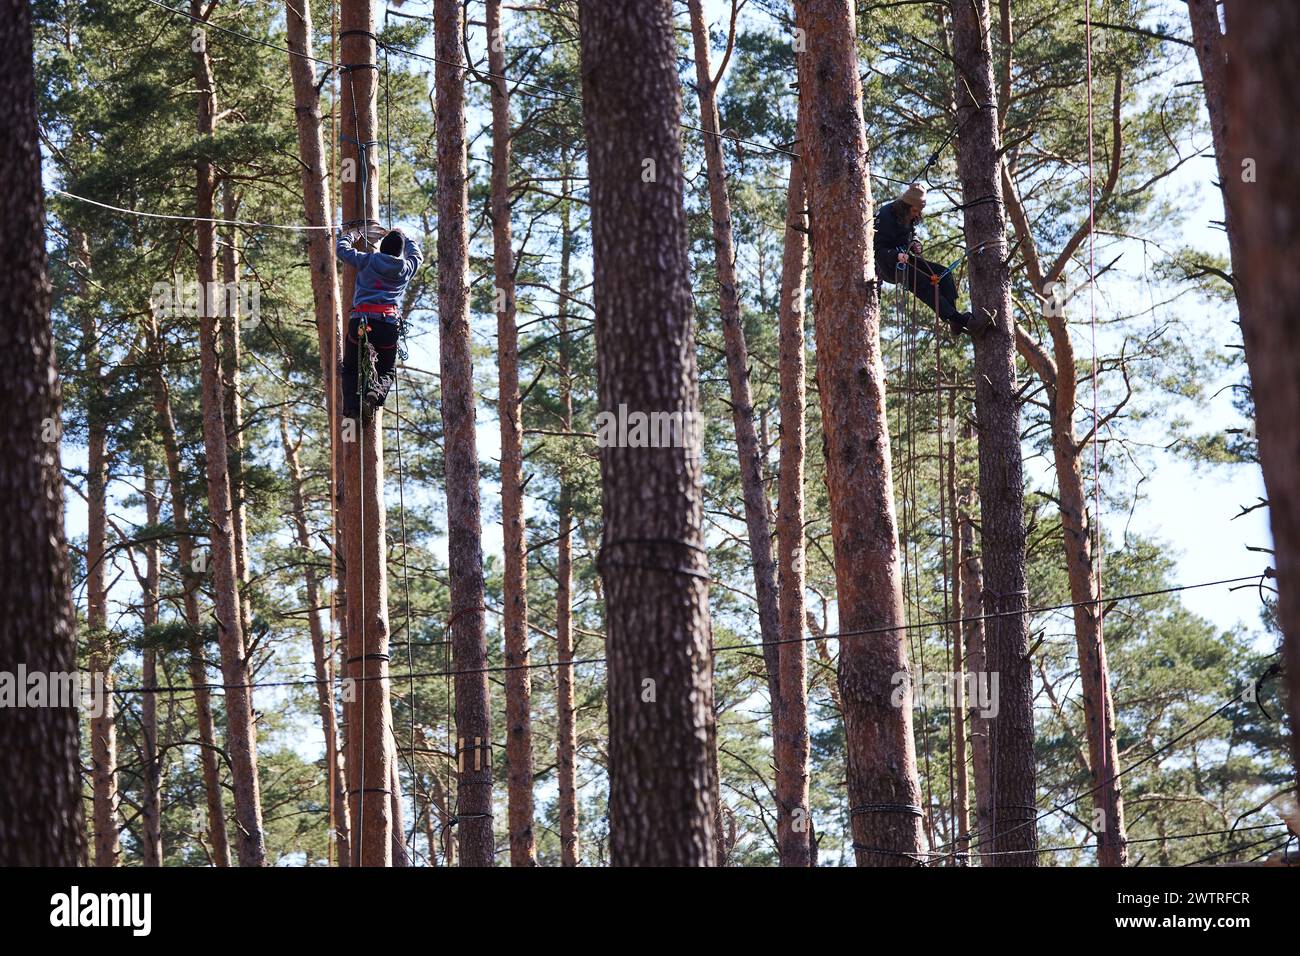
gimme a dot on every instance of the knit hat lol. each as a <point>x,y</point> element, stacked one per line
<point>913,195</point>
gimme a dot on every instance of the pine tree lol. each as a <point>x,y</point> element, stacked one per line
<point>663,792</point>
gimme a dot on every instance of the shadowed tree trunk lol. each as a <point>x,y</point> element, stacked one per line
<point>241,734</point>
<point>40,798</point>
<point>663,792</point>
<point>370,746</point>
<point>737,354</point>
<point>219,843</point>
<point>519,729</point>
<point>884,791</point>
<point>790,723</point>
<point>997,408</point>
<point>464,528</point>
<point>566,742</point>
<point>1261,40</point>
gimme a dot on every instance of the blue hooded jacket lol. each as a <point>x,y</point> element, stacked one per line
<point>381,278</point>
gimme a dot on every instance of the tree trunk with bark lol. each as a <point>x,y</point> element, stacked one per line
<point>884,791</point>
<point>566,743</point>
<point>370,745</point>
<point>321,656</point>
<point>233,408</point>
<point>518,681</point>
<point>790,723</point>
<point>1261,39</point>
<point>151,849</point>
<point>103,722</point>
<point>971,573</point>
<point>1208,41</point>
<point>464,528</point>
<point>997,409</point>
<point>737,355</point>
<point>314,177</point>
<point>41,820</point>
<point>958,714</point>
<point>219,843</point>
<point>241,733</point>
<point>663,791</point>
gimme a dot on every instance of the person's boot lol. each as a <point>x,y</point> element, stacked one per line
<point>977,324</point>
<point>351,398</point>
<point>378,392</point>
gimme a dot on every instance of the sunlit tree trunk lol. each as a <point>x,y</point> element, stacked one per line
<point>737,355</point>
<point>518,681</point>
<point>218,841</point>
<point>151,849</point>
<point>464,528</point>
<point>370,744</point>
<point>314,177</point>
<point>241,734</point>
<point>790,723</point>
<point>884,790</point>
<point>322,660</point>
<point>1264,191</point>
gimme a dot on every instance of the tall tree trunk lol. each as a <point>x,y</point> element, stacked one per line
<point>103,723</point>
<point>322,659</point>
<point>241,733</point>
<point>314,177</point>
<point>1059,373</point>
<point>790,723</point>
<point>218,840</point>
<point>41,820</point>
<point>972,589</point>
<point>519,729</point>
<point>151,796</point>
<point>663,791</point>
<point>1262,38</point>
<point>233,407</point>
<point>958,713</point>
<point>370,745</point>
<point>737,354</point>
<point>566,737</point>
<point>884,791</point>
<point>1208,41</point>
<point>464,541</point>
<point>997,408</point>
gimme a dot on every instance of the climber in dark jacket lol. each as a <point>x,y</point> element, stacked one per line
<point>382,278</point>
<point>898,259</point>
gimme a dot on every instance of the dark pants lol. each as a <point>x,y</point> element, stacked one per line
<point>382,337</point>
<point>917,276</point>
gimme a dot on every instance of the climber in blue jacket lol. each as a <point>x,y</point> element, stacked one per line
<point>382,278</point>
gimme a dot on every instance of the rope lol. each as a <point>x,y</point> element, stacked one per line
<point>724,648</point>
